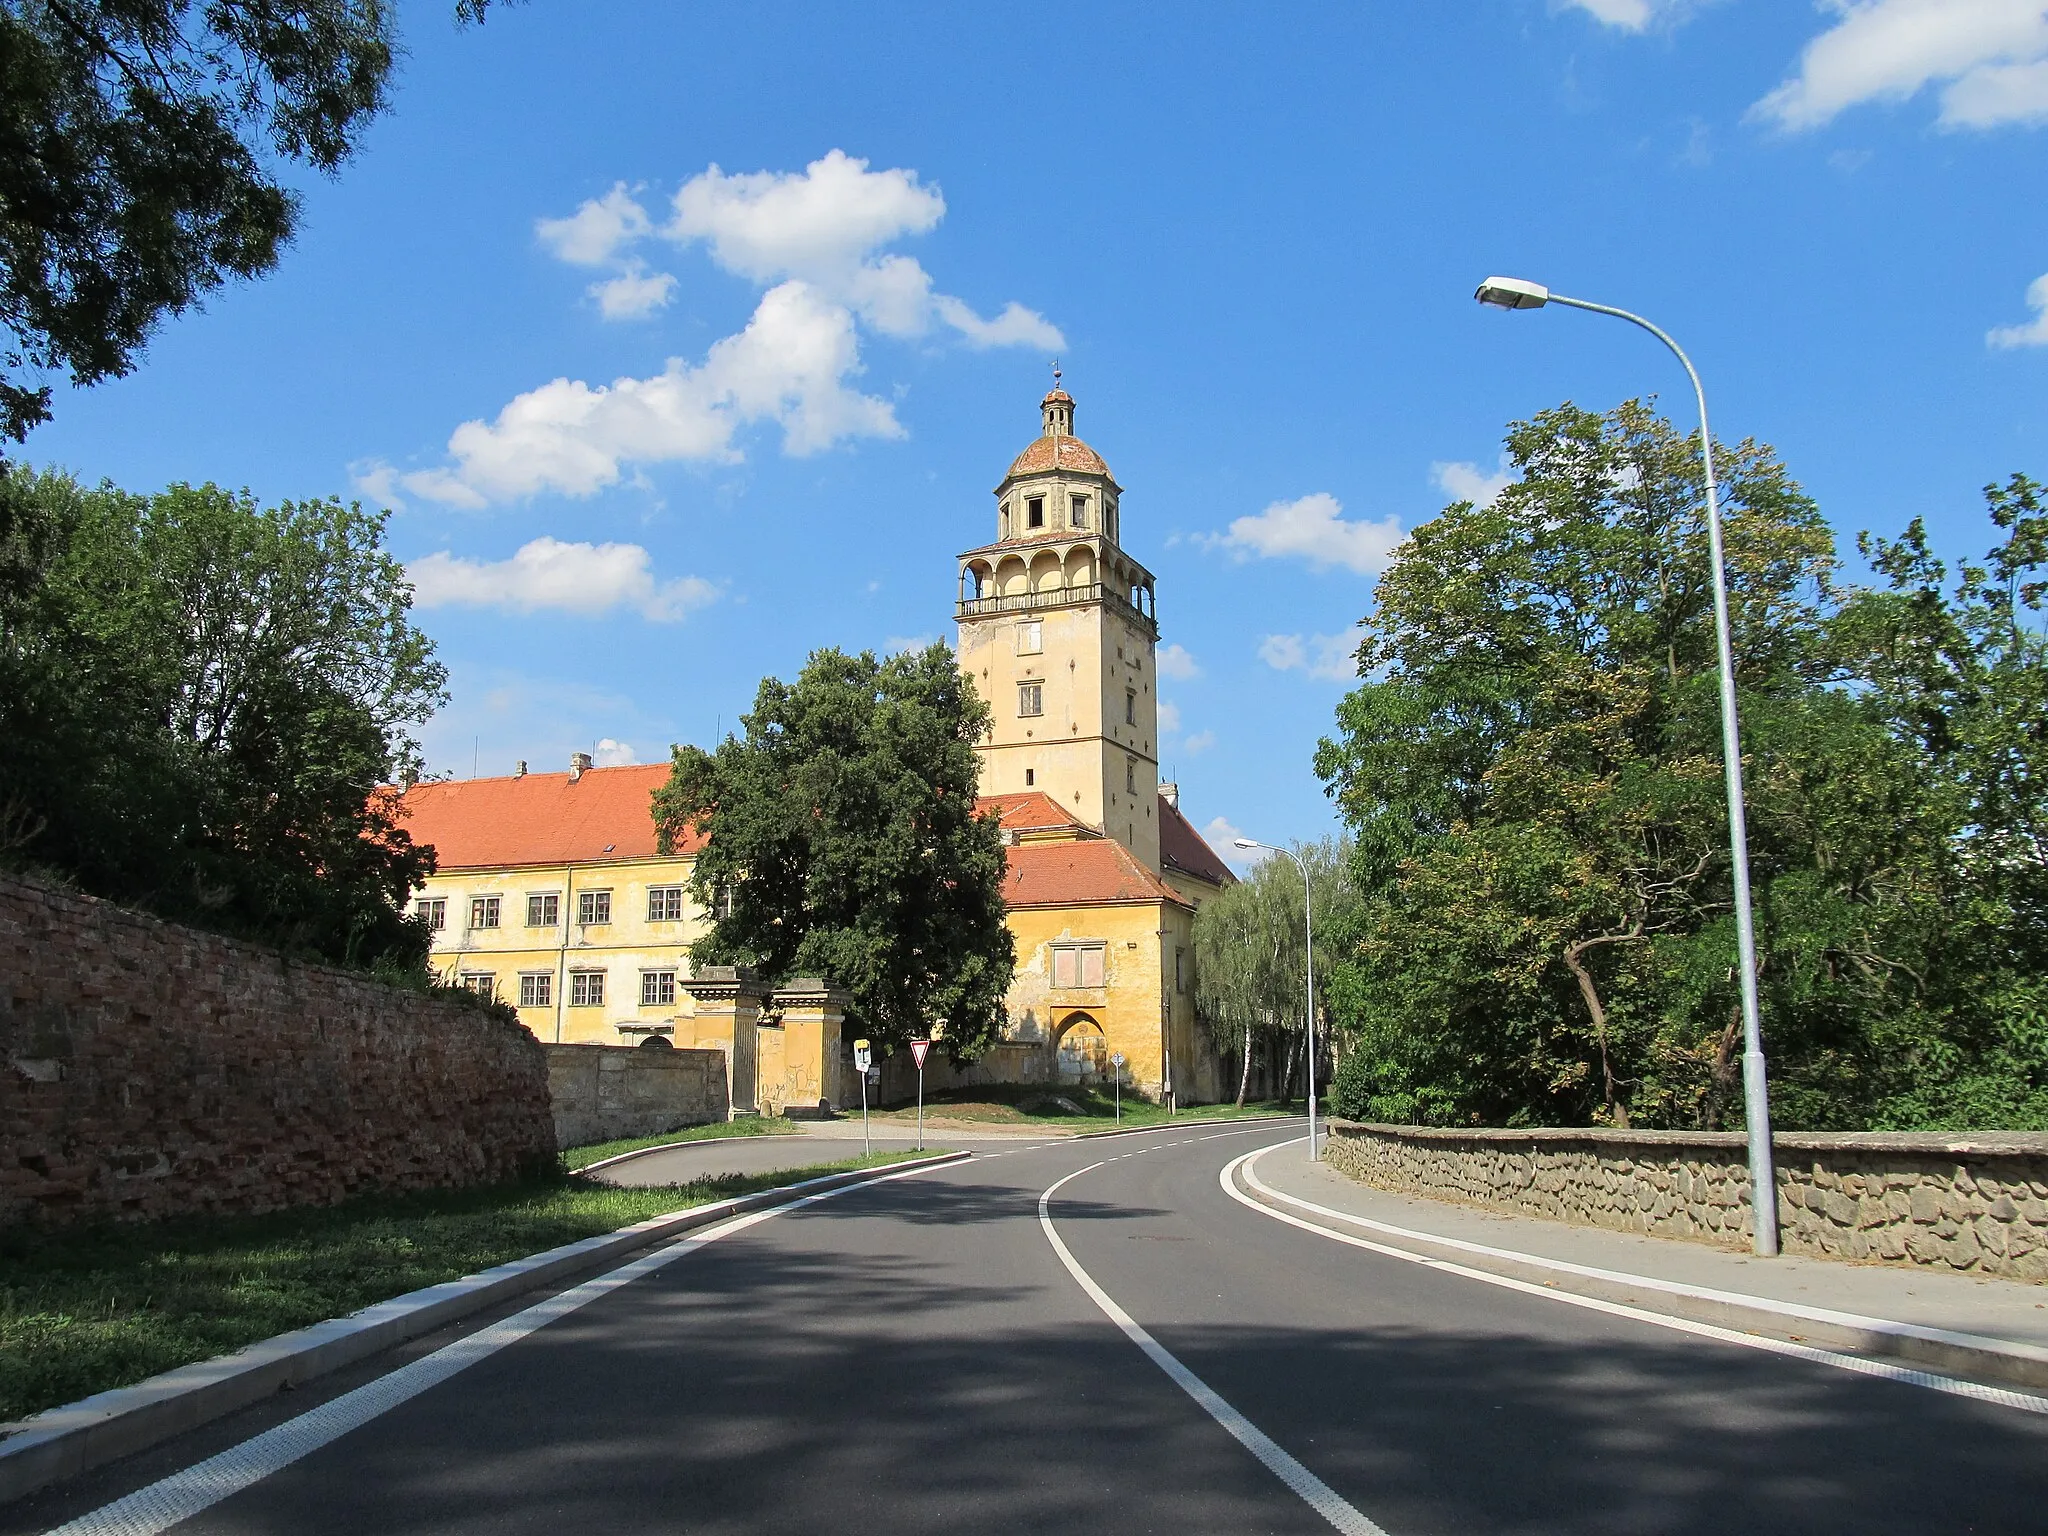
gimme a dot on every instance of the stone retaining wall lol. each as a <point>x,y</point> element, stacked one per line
<point>1957,1202</point>
<point>151,1070</point>
<point>607,1092</point>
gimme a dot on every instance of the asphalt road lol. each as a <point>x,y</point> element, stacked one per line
<point>915,1357</point>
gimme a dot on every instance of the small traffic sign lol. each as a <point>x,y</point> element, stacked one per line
<point>1117,1060</point>
<point>863,1058</point>
<point>917,1050</point>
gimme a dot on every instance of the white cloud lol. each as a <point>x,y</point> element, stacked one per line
<point>634,294</point>
<point>1176,663</point>
<point>1468,482</point>
<point>1332,657</point>
<point>1313,529</point>
<point>1990,56</point>
<point>824,226</point>
<point>598,231</point>
<point>1222,836</point>
<point>614,754</point>
<point>813,240</point>
<point>897,643</point>
<point>1628,15</point>
<point>587,579</point>
<point>1169,717</point>
<point>789,365</point>
<point>1198,743</point>
<point>2032,333</point>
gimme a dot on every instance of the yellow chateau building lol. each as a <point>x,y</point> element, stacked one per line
<point>551,895</point>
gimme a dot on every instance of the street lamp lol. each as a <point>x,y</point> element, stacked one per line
<point>1515,293</point>
<point>1309,919</point>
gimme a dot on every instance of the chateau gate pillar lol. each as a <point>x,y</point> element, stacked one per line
<point>728,1001</point>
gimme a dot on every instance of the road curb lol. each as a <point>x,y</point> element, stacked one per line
<point>670,1146</point>
<point>64,1441</point>
<point>1140,1130</point>
<point>1969,1356</point>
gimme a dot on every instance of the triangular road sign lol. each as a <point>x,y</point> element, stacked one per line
<point>917,1050</point>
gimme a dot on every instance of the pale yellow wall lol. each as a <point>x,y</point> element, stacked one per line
<point>622,948</point>
<point>1137,972</point>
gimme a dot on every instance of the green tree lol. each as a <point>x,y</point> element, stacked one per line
<point>843,828</point>
<point>1533,774</point>
<point>199,699</point>
<point>1250,961</point>
<point>141,144</point>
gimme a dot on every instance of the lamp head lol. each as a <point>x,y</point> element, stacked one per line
<point>1246,842</point>
<point>1512,293</point>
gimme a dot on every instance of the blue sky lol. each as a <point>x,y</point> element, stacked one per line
<point>686,339</point>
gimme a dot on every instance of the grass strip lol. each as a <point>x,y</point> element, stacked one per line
<point>84,1309</point>
<point>1083,1108</point>
<point>746,1125</point>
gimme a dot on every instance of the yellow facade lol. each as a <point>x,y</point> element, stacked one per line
<point>632,950</point>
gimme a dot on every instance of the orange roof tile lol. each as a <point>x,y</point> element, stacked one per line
<point>1028,811</point>
<point>1086,872</point>
<point>540,818</point>
<point>1181,847</point>
<point>1060,452</point>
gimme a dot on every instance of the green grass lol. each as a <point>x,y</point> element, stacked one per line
<point>746,1125</point>
<point>84,1309</point>
<point>1094,1108</point>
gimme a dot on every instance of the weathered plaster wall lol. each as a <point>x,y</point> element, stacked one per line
<point>1958,1202</point>
<point>605,1092</point>
<point>151,1070</point>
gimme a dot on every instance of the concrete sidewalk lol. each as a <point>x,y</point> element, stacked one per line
<point>1986,1327</point>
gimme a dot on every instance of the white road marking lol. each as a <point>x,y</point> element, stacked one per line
<point>1312,1490</point>
<point>1860,1365</point>
<point>183,1494</point>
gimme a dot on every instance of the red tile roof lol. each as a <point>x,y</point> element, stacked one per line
<point>1085,872</point>
<point>1062,452</point>
<point>540,818</point>
<point>1181,847</point>
<point>1030,811</point>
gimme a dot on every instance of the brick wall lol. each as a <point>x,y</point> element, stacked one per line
<point>1974,1202</point>
<point>151,1070</point>
<point>606,1092</point>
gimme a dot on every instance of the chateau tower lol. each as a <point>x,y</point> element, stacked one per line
<point>1058,631</point>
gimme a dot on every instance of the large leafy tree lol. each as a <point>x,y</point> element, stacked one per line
<point>1532,770</point>
<point>844,839</point>
<point>141,149</point>
<point>199,699</point>
<point>1250,962</point>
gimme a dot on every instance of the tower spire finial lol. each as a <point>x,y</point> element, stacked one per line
<point>1055,373</point>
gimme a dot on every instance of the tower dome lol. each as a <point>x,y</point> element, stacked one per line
<point>1056,447</point>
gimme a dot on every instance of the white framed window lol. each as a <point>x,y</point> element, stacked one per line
<point>1034,511</point>
<point>657,989</point>
<point>1030,699</point>
<point>544,910</point>
<point>1003,521</point>
<point>1030,637</point>
<point>1130,706</point>
<point>483,911</point>
<point>433,911</point>
<point>721,902</point>
<point>593,907</point>
<point>482,983</point>
<point>586,989</point>
<point>1079,965</point>
<point>664,903</point>
<point>537,989</point>
<point>1079,512</point>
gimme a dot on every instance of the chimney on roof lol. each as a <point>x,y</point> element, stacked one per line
<point>1170,793</point>
<point>519,769</point>
<point>579,764</point>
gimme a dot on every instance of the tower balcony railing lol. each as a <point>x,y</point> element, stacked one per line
<point>1056,597</point>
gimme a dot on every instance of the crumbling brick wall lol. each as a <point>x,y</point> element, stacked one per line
<point>148,1069</point>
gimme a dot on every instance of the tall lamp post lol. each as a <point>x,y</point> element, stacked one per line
<point>1308,914</point>
<point>1514,293</point>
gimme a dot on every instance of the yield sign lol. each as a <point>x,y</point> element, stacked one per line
<point>917,1050</point>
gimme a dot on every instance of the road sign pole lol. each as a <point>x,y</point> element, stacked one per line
<point>918,1050</point>
<point>863,1058</point>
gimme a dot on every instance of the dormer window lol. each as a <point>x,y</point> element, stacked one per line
<point>1034,511</point>
<point>1080,512</point>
